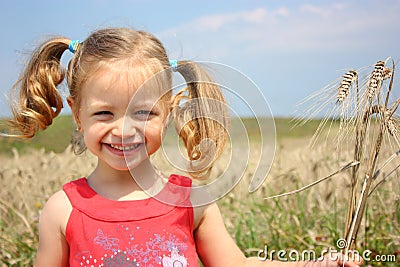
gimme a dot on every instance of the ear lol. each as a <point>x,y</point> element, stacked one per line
<point>75,112</point>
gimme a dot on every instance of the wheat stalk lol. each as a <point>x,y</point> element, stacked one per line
<point>5,205</point>
<point>347,166</point>
<point>375,81</point>
<point>359,106</point>
<point>339,100</point>
<point>349,78</point>
<point>386,125</point>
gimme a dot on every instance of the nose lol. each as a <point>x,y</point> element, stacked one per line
<point>123,128</point>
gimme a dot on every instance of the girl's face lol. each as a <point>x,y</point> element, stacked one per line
<point>121,125</point>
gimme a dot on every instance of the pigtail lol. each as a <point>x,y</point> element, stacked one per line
<point>200,117</point>
<point>39,101</point>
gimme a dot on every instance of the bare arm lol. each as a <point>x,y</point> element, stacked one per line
<point>53,248</point>
<point>216,247</point>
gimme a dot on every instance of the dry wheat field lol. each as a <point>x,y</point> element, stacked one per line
<point>312,219</point>
<point>352,196</point>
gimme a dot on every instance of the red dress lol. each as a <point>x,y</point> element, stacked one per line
<point>104,232</point>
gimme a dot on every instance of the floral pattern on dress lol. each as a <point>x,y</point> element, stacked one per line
<point>108,243</point>
<point>148,254</point>
<point>175,260</point>
<point>120,259</point>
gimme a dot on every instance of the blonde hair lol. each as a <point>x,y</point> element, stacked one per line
<point>39,100</point>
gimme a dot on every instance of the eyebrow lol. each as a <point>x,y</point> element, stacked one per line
<point>146,104</point>
<point>149,104</point>
<point>98,106</point>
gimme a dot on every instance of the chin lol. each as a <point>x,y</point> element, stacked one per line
<point>127,166</point>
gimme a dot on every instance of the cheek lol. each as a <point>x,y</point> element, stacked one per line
<point>93,133</point>
<point>152,148</point>
<point>153,139</point>
<point>90,140</point>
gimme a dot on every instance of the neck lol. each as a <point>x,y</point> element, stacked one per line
<point>125,184</point>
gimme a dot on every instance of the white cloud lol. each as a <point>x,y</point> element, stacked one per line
<point>322,11</point>
<point>337,26</point>
<point>292,48</point>
<point>218,21</point>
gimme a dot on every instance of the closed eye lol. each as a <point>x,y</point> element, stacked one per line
<point>144,114</point>
<point>103,115</point>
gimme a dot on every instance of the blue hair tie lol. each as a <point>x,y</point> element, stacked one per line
<point>174,64</point>
<point>73,46</point>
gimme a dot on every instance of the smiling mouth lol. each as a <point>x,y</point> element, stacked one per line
<point>125,148</point>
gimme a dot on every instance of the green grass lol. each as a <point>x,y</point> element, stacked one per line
<point>290,224</point>
<point>296,222</point>
<point>55,138</point>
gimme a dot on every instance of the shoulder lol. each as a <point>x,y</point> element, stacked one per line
<point>58,200</point>
<point>214,244</point>
<point>179,180</point>
<point>53,247</point>
<point>201,201</point>
<point>56,211</point>
<point>205,214</point>
<point>78,183</point>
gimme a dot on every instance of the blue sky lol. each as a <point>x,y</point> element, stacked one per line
<point>287,48</point>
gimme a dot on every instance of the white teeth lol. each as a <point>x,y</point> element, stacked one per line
<point>124,148</point>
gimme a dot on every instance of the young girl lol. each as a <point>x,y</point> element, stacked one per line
<point>120,84</point>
